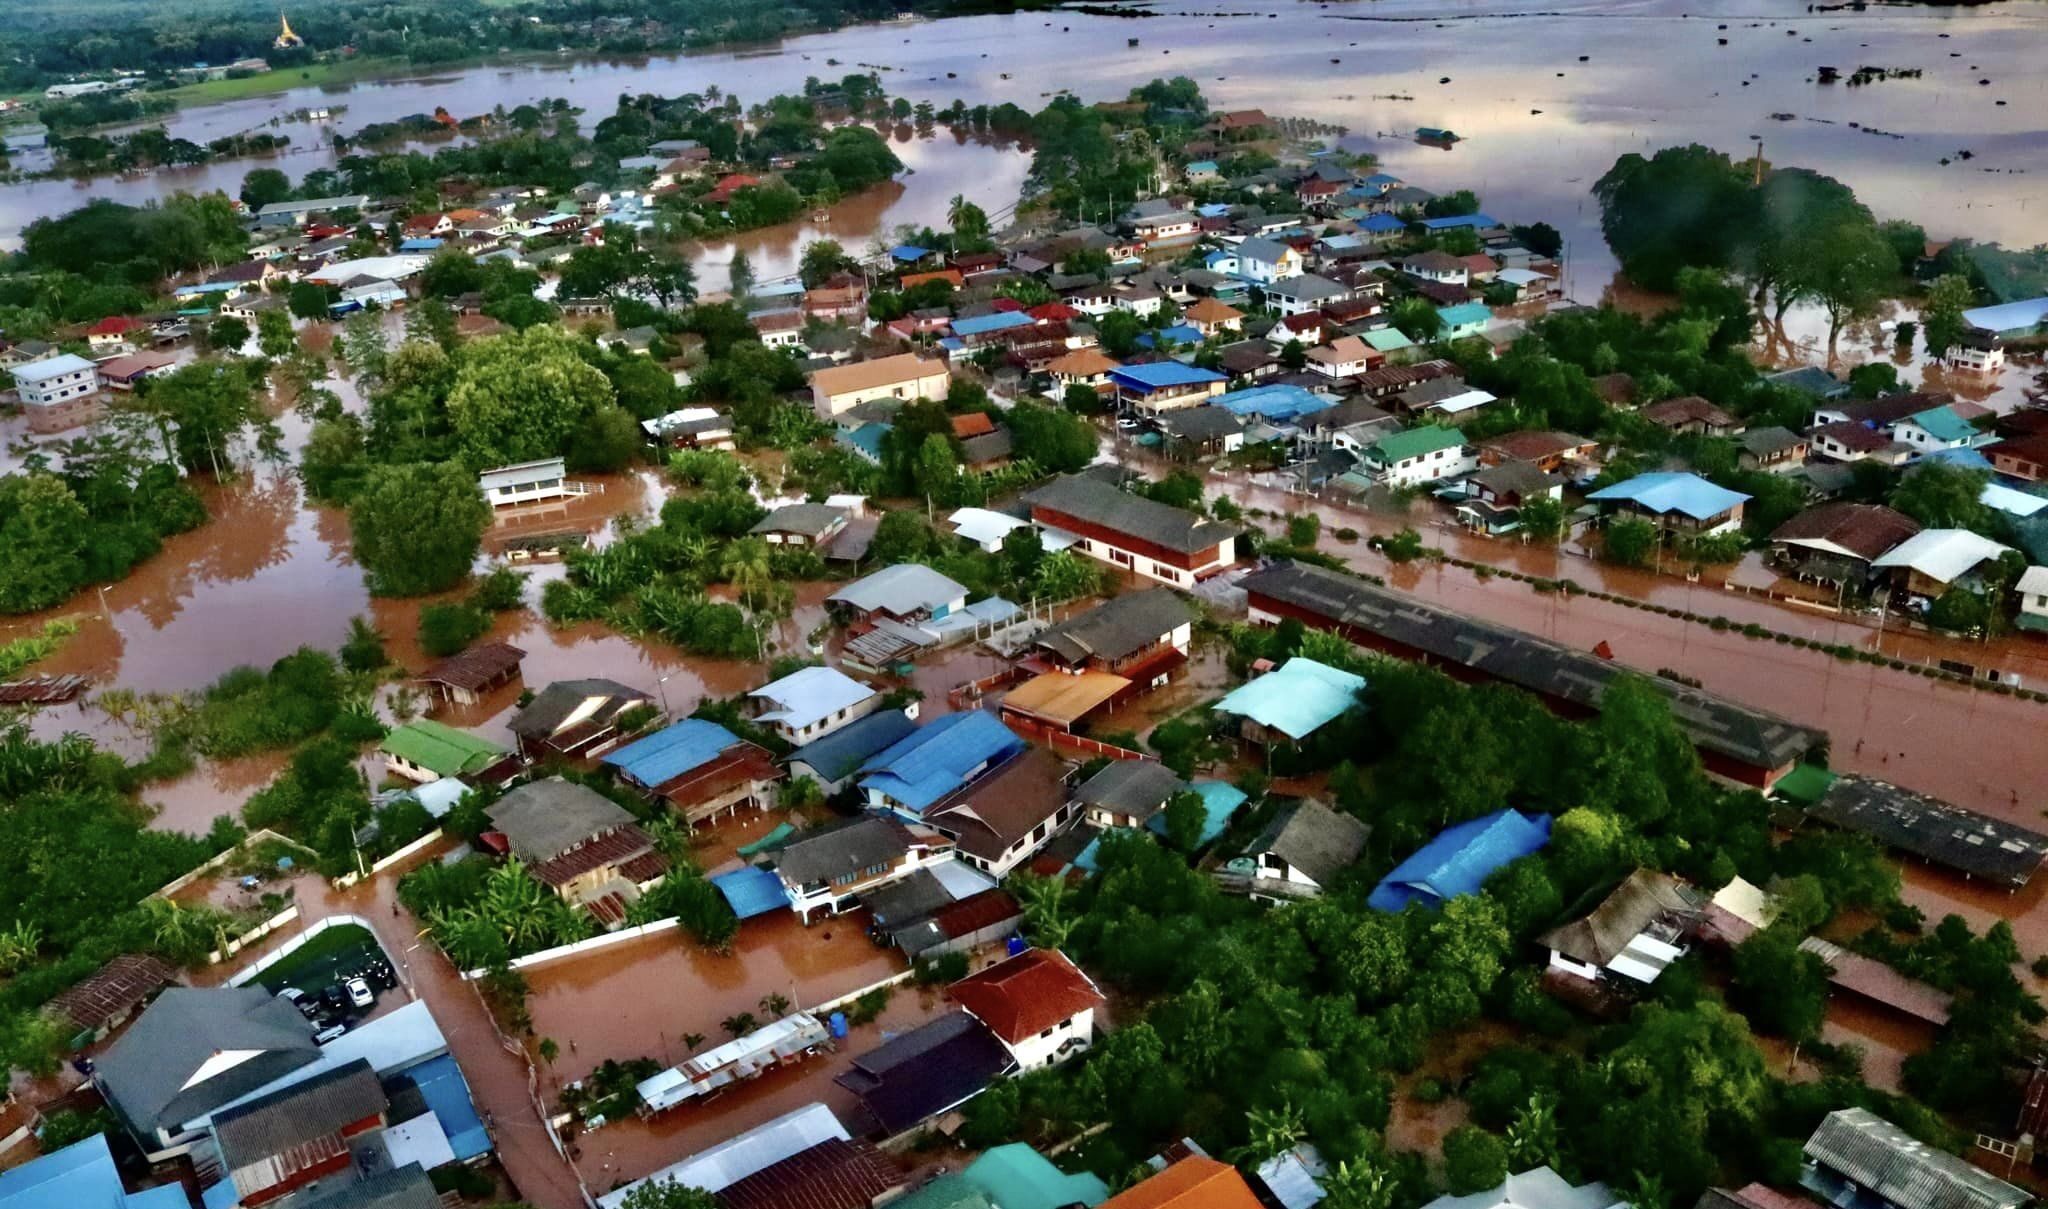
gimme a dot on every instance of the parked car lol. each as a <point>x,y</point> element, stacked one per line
<point>291,994</point>
<point>359,993</point>
<point>330,1033</point>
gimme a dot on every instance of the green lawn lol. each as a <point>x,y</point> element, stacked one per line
<point>315,964</point>
<point>209,92</point>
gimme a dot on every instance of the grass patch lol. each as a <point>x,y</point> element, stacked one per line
<point>342,949</point>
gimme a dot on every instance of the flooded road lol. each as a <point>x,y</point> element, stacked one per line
<point>1545,101</point>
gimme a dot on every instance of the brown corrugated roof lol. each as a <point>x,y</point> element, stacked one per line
<point>476,667</point>
<point>113,990</point>
<point>1865,530</point>
<point>834,1174</point>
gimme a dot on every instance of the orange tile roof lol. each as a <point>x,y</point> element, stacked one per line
<point>1022,996</point>
<point>951,277</point>
<point>1210,310</point>
<point>973,424</point>
<point>1196,1182</point>
<point>1083,363</point>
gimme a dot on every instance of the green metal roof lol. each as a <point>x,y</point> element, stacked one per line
<point>1388,339</point>
<point>441,749</point>
<point>1415,442</point>
<point>1804,784</point>
<point>1943,424</point>
<point>946,1192</point>
<point>1015,1176</point>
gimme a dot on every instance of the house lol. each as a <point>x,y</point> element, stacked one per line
<point>1500,491</point>
<point>1162,386</point>
<point>1458,320</point>
<point>1635,933</point>
<point>1736,742</point>
<point>1881,413</point>
<point>1203,431</point>
<point>1690,414</point>
<point>1193,1182</point>
<point>806,525</point>
<point>926,1072</point>
<point>293,1139</point>
<point>1932,561</point>
<point>1460,859</point>
<point>1440,267</point>
<point>1940,833</point>
<point>1137,634</point>
<point>1154,540</point>
<point>466,676</point>
<point>2032,590</point>
<point>1274,403</point>
<point>578,719</point>
<point>115,333</point>
<point>1344,357</point>
<point>578,843</point>
<point>1812,381</point>
<point>1677,501</point>
<point>699,768</point>
<point>907,592</point>
<point>691,428</point>
<point>830,868</point>
<point>1000,818</point>
<point>525,482</point>
<point>424,751</point>
<point>193,1052</point>
<point>2011,320</point>
<point>2022,457</point>
<point>58,393</point>
<point>833,1174</point>
<point>1213,318</point>
<point>1836,543</point>
<point>717,1167</point>
<point>1772,449</point>
<point>1415,456</point>
<point>833,759</point>
<point>82,1176</point>
<point>904,376</point>
<point>92,1008</point>
<point>1528,284</point>
<point>1935,429</point>
<point>1037,1003</point>
<point>1082,367</point>
<point>811,703</point>
<point>778,329</point>
<point>1850,441</point>
<point>1291,702</point>
<point>1976,353</point>
<point>1127,793</point>
<point>935,760</point>
<point>1859,1160</point>
<point>1299,853</point>
<point>128,372</point>
<point>1304,294</point>
<point>1550,451</point>
<point>1537,1188</point>
<point>722,190</point>
<point>1264,261</point>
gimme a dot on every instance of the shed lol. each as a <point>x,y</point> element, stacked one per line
<point>1295,700</point>
<point>463,678</point>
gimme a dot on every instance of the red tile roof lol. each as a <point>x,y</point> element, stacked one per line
<point>1024,995</point>
<point>973,424</point>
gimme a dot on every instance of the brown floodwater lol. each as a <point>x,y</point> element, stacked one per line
<point>1545,100</point>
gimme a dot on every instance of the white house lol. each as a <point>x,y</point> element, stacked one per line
<point>1416,456</point>
<point>525,482</point>
<point>1301,850</point>
<point>812,702</point>
<point>48,383</point>
<point>1267,260</point>
<point>830,868</point>
<point>1038,1004</point>
<point>2033,593</point>
<point>1634,934</point>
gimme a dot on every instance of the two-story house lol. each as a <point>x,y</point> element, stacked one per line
<point>827,869</point>
<point>578,843</point>
<point>1037,1003</point>
<point>699,768</point>
<point>934,760</point>
<point>811,703</point>
<point>1415,456</point>
<point>1155,540</point>
<point>904,377</point>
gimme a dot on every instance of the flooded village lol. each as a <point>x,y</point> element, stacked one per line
<point>1327,603</point>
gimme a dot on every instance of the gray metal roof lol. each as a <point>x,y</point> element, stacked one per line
<point>1599,936</point>
<point>552,705</point>
<point>1716,724</point>
<point>1137,788</point>
<point>1096,502</point>
<point>824,853</point>
<point>1201,423</point>
<point>543,819</point>
<point>1879,1157</point>
<point>1119,627</point>
<point>146,1071</point>
<point>405,1187</point>
<point>1313,838</point>
<point>301,1113</point>
<point>1973,843</point>
<point>901,590</point>
<point>810,520</point>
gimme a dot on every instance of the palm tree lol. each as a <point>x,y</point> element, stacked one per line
<point>956,210</point>
<point>775,1005</point>
<point>1270,1132</point>
<point>738,1025</point>
<point>18,946</point>
<point>1532,1135</point>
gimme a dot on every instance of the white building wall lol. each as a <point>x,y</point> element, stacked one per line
<point>1075,1034</point>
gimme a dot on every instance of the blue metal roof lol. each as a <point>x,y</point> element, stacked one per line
<point>1382,180</point>
<point>80,1176</point>
<point>1460,859</point>
<point>2009,317</point>
<point>672,751</point>
<point>422,244</point>
<point>1962,458</point>
<point>1179,333</point>
<point>1159,375</point>
<point>1278,404</point>
<point>447,1095</point>
<point>1297,698</point>
<point>753,890</point>
<point>1383,222</point>
<point>838,754</point>
<point>1201,166</point>
<point>1673,491</point>
<point>1478,222</point>
<point>997,321</point>
<point>1212,210</point>
<point>909,252</point>
<point>936,759</point>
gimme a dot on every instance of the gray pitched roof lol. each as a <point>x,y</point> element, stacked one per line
<point>552,705</point>
<point>824,853</point>
<point>1092,500</point>
<point>301,1113</point>
<point>145,1072</point>
<point>1119,627</point>
<point>1934,830</point>
<point>1601,934</point>
<point>405,1187</point>
<point>1313,838</point>
<point>1201,423</point>
<point>901,590</point>
<point>543,819</point>
<point>1136,788</point>
<point>1886,1161</point>
<point>810,520</point>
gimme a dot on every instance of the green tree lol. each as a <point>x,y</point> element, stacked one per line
<point>1474,1160</point>
<point>1542,518</point>
<point>937,471</point>
<point>1846,266</point>
<point>274,335</point>
<point>519,396</point>
<point>1941,316</point>
<point>739,274</point>
<point>1682,206</point>
<point>263,186</point>
<point>1944,496</point>
<point>820,260</point>
<point>1782,988</point>
<point>1186,815</point>
<point>227,334</point>
<point>1630,541</point>
<point>667,1194</point>
<point>203,408</point>
<point>417,527</point>
<point>43,534</point>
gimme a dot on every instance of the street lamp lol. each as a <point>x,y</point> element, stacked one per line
<point>661,686</point>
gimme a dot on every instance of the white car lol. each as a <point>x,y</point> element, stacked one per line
<point>330,1033</point>
<point>359,993</point>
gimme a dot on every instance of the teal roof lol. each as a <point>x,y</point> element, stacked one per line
<point>1398,447</point>
<point>1017,1177</point>
<point>1943,424</point>
<point>1220,800</point>
<point>1464,313</point>
<point>1387,339</point>
<point>946,1192</point>
<point>1297,698</point>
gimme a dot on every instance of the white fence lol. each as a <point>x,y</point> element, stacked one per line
<point>253,935</point>
<point>580,947</point>
<point>424,842</point>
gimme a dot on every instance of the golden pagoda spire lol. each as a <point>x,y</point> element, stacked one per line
<point>285,37</point>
